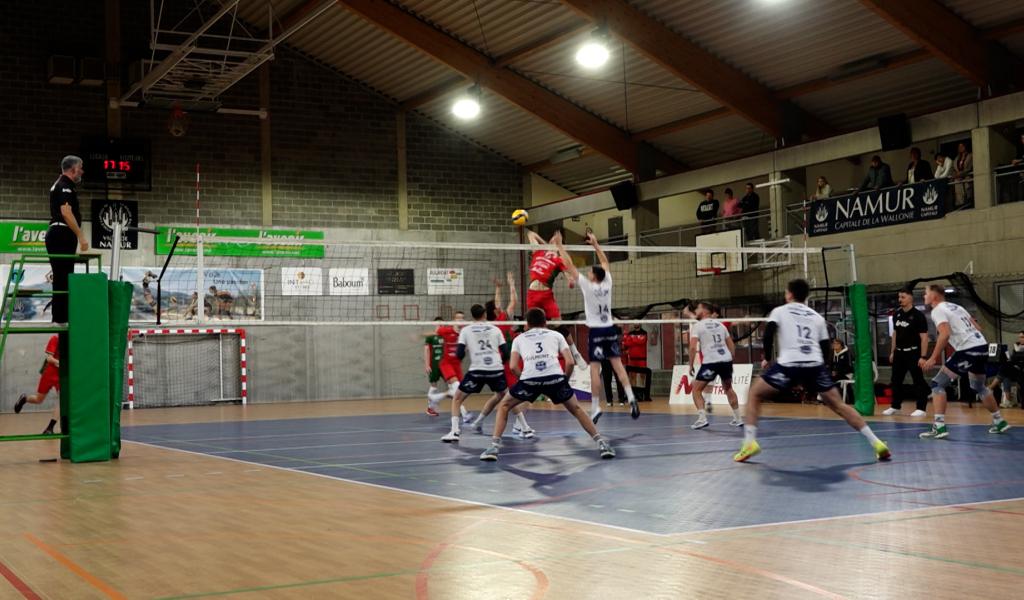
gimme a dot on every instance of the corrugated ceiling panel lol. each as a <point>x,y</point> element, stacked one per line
<point>255,11</point>
<point>655,95</point>
<point>586,174</point>
<point>781,43</point>
<point>719,141</point>
<point>913,89</point>
<point>504,128</point>
<point>987,13</point>
<point>503,25</point>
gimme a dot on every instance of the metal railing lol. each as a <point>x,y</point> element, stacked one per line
<point>755,226</point>
<point>1009,184</point>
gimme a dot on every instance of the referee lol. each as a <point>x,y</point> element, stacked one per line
<point>65,232</point>
<point>909,345</point>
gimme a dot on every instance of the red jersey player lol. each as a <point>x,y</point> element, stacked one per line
<point>451,364</point>
<point>49,379</point>
<point>545,265</point>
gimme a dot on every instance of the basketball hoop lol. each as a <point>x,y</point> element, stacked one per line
<point>710,270</point>
<point>177,123</point>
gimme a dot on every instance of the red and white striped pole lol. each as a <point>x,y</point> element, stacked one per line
<point>197,197</point>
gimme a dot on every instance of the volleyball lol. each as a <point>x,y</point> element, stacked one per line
<point>520,217</point>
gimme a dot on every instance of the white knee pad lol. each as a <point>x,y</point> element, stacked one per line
<point>978,385</point>
<point>940,382</point>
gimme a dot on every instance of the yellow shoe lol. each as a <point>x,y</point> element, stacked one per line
<point>749,450</point>
<point>882,451</point>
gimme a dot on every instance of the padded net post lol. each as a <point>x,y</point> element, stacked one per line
<point>863,371</point>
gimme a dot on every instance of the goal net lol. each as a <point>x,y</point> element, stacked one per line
<point>185,367</point>
<point>337,320</point>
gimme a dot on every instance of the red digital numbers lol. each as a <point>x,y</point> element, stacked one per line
<point>117,165</point>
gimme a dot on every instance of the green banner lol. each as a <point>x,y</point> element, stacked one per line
<point>23,237</point>
<point>262,244</point>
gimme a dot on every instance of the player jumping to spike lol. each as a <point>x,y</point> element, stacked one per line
<point>487,350</point>
<point>958,328</point>
<point>603,340</point>
<point>545,265</point>
<point>803,345</point>
<point>539,348</point>
<point>718,349</point>
<point>451,363</point>
<point>49,379</point>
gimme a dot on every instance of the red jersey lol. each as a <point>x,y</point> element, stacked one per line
<point>451,342</point>
<point>52,348</point>
<point>506,330</point>
<point>545,266</point>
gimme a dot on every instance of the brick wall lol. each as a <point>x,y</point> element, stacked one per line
<point>333,141</point>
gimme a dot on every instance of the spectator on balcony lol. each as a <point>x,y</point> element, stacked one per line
<point>731,206</point>
<point>879,176</point>
<point>707,212</point>
<point>823,189</point>
<point>943,167</point>
<point>918,170</point>
<point>750,203</point>
<point>963,168</point>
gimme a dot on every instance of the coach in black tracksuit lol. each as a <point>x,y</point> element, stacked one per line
<point>65,232</point>
<point>909,345</point>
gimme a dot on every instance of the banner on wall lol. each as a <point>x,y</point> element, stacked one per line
<point>106,214</point>
<point>31,277</point>
<point>396,282</point>
<point>923,201</point>
<point>230,294</point>
<point>445,281</point>
<point>23,237</point>
<point>302,281</point>
<point>349,282</point>
<point>682,385</point>
<point>262,244</point>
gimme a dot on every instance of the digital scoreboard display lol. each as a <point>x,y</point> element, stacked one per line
<point>116,163</point>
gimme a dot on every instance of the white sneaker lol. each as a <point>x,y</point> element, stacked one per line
<point>478,428</point>
<point>596,415</point>
<point>890,412</point>
<point>918,413</point>
<point>527,434</point>
<point>467,418</point>
<point>700,423</point>
<point>516,429</point>
<point>453,436</point>
<point>736,422</point>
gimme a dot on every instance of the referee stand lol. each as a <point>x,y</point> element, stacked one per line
<point>92,350</point>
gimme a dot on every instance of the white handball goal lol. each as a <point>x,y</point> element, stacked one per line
<point>349,319</point>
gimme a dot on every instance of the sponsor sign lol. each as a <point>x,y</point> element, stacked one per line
<point>23,237</point>
<point>445,281</point>
<point>891,206</point>
<point>262,244</point>
<point>682,385</point>
<point>349,282</point>
<point>302,281</point>
<point>106,214</point>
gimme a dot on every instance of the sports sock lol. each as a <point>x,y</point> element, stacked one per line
<point>598,438</point>
<point>702,414</point>
<point>866,432</point>
<point>735,413</point>
<point>749,433</point>
<point>463,411</point>
<point>521,419</point>
<point>997,417</point>
<point>940,420</point>
<point>595,405</point>
<point>629,393</point>
<point>456,423</point>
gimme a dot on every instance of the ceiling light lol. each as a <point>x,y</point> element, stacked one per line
<point>467,106</point>
<point>594,53</point>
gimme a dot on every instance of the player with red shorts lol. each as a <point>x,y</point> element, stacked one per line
<point>451,364</point>
<point>545,265</point>
<point>49,379</point>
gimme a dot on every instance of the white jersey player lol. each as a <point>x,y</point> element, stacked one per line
<point>957,328</point>
<point>803,345</point>
<point>538,351</point>
<point>604,336</point>
<point>716,349</point>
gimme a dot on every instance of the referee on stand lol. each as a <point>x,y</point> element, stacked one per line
<point>65,232</point>
<point>909,345</point>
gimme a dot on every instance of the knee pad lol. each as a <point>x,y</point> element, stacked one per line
<point>978,385</point>
<point>940,382</point>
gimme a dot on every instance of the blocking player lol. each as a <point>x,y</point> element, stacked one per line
<point>487,350</point>
<point>956,327</point>
<point>717,348</point>
<point>603,340</point>
<point>539,348</point>
<point>433,351</point>
<point>803,345</point>
<point>545,265</point>
<point>49,379</point>
<point>451,363</point>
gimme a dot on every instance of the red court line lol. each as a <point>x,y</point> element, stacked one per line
<point>762,572</point>
<point>18,584</point>
<point>72,566</point>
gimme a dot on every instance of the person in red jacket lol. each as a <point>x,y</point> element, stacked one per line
<point>49,379</point>
<point>634,345</point>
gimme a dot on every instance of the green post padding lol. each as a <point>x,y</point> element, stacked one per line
<point>64,352</point>
<point>863,371</point>
<point>120,299</point>
<point>88,386</point>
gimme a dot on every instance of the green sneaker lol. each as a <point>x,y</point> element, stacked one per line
<point>937,432</point>
<point>999,427</point>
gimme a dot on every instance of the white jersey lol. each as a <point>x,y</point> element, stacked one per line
<point>482,342</point>
<point>539,349</point>
<point>963,334</point>
<point>712,336</point>
<point>800,333</point>
<point>597,301</point>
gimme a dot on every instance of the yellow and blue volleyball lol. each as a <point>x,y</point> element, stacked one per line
<point>520,217</point>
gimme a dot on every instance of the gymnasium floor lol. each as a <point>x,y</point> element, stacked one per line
<point>360,500</point>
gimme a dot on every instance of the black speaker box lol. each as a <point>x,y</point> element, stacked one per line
<point>894,131</point>
<point>624,193</point>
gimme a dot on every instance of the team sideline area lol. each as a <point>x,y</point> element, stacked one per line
<point>267,500</point>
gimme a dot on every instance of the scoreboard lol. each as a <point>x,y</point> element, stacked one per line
<point>116,163</point>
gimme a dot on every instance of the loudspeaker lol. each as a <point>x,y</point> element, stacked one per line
<point>894,131</point>
<point>624,193</point>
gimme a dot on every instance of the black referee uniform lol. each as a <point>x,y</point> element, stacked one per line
<point>61,240</point>
<point>908,326</point>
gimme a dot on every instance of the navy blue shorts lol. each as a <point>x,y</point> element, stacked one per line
<point>474,381</point>
<point>971,360</point>
<point>814,378</point>
<point>708,372</point>
<point>603,343</point>
<point>555,387</point>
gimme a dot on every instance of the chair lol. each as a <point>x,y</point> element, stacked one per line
<point>844,384</point>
